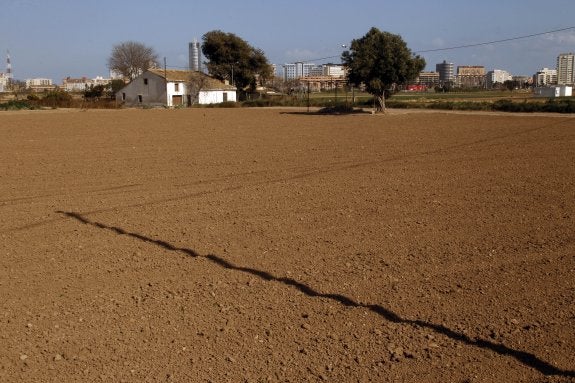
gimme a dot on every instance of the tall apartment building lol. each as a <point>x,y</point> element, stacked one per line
<point>545,77</point>
<point>195,56</point>
<point>428,78</point>
<point>297,70</point>
<point>316,70</point>
<point>446,72</point>
<point>566,69</point>
<point>497,76</point>
<point>470,76</point>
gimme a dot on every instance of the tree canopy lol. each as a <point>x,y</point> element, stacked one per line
<point>381,61</point>
<point>231,58</point>
<point>131,58</point>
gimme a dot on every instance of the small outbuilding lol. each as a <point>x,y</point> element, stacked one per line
<point>553,91</point>
<point>174,88</point>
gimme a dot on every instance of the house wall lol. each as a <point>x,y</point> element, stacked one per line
<point>141,92</point>
<point>215,96</point>
<point>150,89</point>
<point>181,91</point>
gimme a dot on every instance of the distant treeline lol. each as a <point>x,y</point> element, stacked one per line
<point>558,105</point>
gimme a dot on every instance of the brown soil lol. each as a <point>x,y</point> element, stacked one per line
<point>259,245</point>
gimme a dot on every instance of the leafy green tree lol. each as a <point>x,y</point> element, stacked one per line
<point>233,59</point>
<point>381,61</point>
<point>94,92</point>
<point>114,86</point>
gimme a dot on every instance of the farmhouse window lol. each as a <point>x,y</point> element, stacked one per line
<point>176,87</point>
<point>145,81</point>
<point>123,96</point>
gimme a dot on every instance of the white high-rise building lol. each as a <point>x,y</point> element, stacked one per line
<point>566,69</point>
<point>497,76</point>
<point>545,77</point>
<point>8,67</point>
<point>297,70</point>
<point>195,56</point>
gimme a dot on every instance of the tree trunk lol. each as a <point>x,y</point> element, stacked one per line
<point>380,108</point>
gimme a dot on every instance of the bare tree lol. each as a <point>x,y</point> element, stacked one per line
<point>131,58</point>
<point>196,83</point>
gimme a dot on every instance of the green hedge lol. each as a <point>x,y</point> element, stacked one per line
<point>17,105</point>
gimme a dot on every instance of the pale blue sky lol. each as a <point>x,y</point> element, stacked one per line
<point>59,38</point>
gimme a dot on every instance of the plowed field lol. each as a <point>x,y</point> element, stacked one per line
<point>241,245</point>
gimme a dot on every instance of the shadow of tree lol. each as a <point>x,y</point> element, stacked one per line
<point>525,358</point>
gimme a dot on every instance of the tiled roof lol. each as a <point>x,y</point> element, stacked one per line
<point>186,75</point>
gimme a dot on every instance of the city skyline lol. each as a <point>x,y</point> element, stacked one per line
<point>64,38</point>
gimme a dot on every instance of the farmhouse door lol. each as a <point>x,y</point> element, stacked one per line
<point>177,100</point>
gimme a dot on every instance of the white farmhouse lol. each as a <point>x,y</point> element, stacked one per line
<point>174,88</point>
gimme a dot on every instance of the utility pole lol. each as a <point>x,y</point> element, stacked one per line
<point>166,81</point>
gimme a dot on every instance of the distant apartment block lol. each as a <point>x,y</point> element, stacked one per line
<point>446,72</point>
<point>470,76</point>
<point>566,69</point>
<point>299,69</point>
<point>4,82</point>
<point>333,70</point>
<point>40,84</point>
<point>296,70</point>
<point>497,76</point>
<point>545,77</point>
<point>81,84</point>
<point>316,70</point>
<point>428,78</point>
<point>31,82</point>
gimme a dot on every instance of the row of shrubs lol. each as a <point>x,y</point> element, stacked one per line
<point>16,105</point>
<point>560,105</point>
<point>551,106</point>
<point>57,101</point>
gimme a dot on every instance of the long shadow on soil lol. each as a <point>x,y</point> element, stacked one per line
<point>526,358</point>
